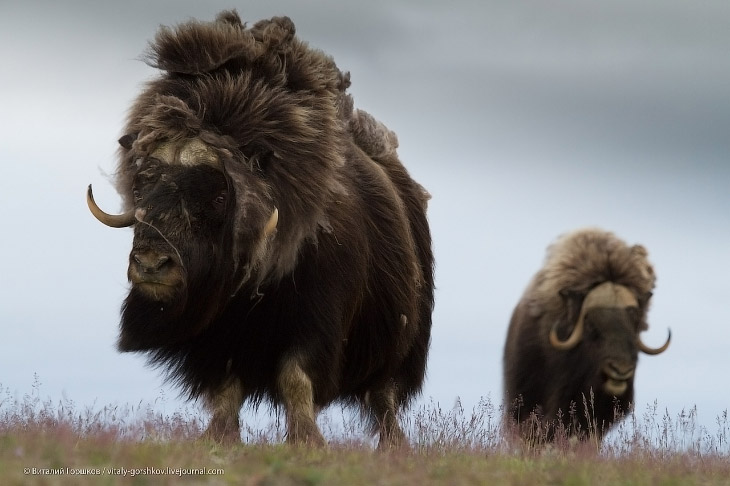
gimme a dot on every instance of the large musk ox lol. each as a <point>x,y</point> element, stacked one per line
<point>574,337</point>
<point>281,251</point>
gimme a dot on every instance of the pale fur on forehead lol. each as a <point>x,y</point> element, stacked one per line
<point>609,294</point>
<point>580,260</point>
<point>188,153</point>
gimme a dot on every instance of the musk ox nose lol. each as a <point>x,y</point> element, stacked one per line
<point>619,371</point>
<point>150,262</point>
<point>618,375</point>
<point>154,273</point>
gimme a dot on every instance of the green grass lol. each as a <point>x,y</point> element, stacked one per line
<point>449,447</point>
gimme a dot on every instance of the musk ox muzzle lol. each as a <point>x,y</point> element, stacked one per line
<point>617,376</point>
<point>158,274</point>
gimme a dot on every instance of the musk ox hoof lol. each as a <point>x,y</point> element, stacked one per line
<point>222,432</point>
<point>306,436</point>
<point>395,441</point>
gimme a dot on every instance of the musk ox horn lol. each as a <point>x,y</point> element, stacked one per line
<point>572,340</point>
<point>113,220</point>
<point>271,224</point>
<point>646,349</point>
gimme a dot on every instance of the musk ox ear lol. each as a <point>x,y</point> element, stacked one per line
<point>571,295</point>
<point>127,140</point>
<point>645,297</point>
<point>643,300</point>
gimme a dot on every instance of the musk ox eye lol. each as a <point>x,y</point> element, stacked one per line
<point>220,199</point>
<point>137,195</point>
<point>644,299</point>
<point>634,315</point>
<point>260,161</point>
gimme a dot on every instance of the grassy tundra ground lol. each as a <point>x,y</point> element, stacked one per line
<point>42,442</point>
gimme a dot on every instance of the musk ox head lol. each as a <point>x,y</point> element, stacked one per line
<point>180,263</point>
<point>227,165</point>
<point>607,327</point>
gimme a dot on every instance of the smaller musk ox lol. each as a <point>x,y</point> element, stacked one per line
<point>574,336</point>
<point>281,251</point>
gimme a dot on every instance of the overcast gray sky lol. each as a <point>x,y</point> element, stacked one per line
<point>523,119</point>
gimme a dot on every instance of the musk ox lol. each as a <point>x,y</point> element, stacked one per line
<point>574,336</point>
<point>281,251</point>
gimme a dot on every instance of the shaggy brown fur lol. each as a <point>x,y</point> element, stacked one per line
<point>580,260</point>
<point>552,383</point>
<point>336,303</point>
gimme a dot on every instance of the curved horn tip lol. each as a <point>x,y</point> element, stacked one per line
<point>272,222</point>
<point>654,351</point>
<point>90,198</point>
<point>114,221</point>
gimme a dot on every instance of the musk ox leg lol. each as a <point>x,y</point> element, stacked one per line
<point>298,396</point>
<point>225,406</point>
<point>384,407</point>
